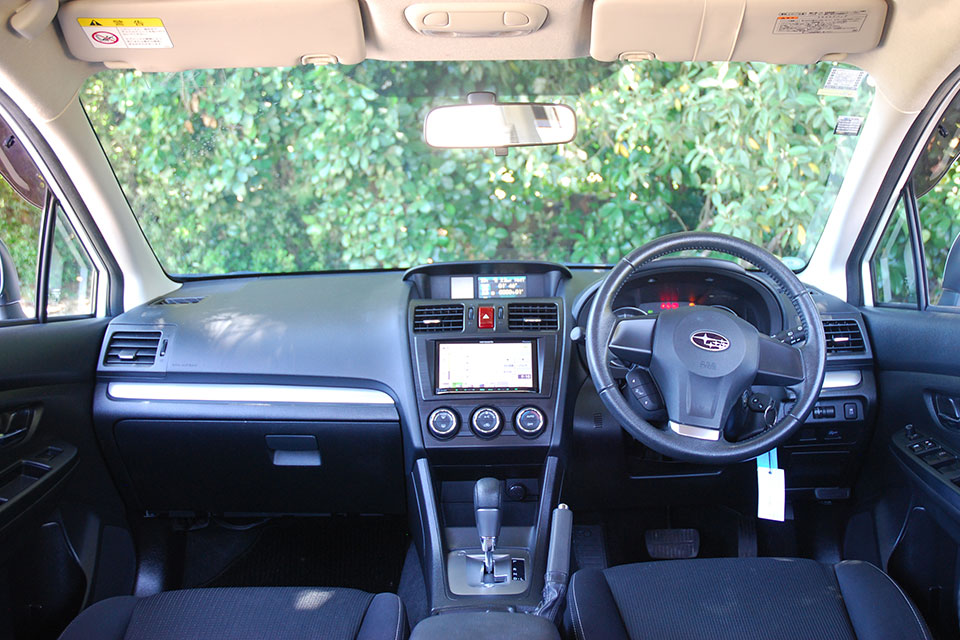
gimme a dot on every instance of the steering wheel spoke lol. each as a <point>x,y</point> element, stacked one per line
<point>693,431</point>
<point>780,364</point>
<point>632,340</point>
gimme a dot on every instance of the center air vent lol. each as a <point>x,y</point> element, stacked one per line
<point>190,300</point>
<point>436,318</point>
<point>535,316</point>
<point>843,337</point>
<point>133,347</point>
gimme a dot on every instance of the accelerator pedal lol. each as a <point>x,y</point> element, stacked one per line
<point>672,544</point>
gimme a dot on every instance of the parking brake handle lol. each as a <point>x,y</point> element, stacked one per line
<point>558,563</point>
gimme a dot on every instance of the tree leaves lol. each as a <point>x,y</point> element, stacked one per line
<point>315,168</point>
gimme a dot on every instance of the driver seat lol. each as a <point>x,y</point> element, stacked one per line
<point>740,598</point>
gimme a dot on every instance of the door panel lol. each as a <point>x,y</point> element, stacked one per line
<point>918,359</point>
<point>60,515</point>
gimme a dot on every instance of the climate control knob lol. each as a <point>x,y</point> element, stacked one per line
<point>529,421</point>
<point>486,422</point>
<point>443,423</point>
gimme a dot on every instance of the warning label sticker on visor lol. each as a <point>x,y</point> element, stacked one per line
<point>126,33</point>
<point>807,22</point>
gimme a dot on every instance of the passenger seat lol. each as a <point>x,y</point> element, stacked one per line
<point>244,613</point>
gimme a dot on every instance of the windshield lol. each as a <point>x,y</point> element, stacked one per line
<point>325,168</point>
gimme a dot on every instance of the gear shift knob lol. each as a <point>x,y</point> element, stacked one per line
<point>486,505</point>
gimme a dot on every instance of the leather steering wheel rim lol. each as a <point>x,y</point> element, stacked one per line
<point>601,323</point>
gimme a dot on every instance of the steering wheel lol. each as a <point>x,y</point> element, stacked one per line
<point>703,359</point>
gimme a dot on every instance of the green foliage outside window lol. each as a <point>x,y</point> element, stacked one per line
<point>940,224</point>
<point>317,168</point>
<point>20,231</point>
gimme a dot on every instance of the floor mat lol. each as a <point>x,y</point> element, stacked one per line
<point>355,552</point>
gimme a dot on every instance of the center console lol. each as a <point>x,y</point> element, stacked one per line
<point>488,346</point>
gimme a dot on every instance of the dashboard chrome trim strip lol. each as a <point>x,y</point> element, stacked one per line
<point>842,379</point>
<point>259,393</point>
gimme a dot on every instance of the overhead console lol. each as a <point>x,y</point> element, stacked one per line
<point>486,342</point>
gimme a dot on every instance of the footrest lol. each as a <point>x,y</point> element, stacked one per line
<point>588,547</point>
<point>672,544</point>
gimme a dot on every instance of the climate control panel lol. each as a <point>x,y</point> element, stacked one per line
<point>486,422</point>
<point>530,422</point>
<point>443,423</point>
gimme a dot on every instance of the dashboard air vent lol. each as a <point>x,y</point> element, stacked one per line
<point>132,347</point>
<point>536,316</point>
<point>439,317</point>
<point>843,337</point>
<point>190,300</point>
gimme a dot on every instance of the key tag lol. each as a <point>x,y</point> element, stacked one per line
<point>771,488</point>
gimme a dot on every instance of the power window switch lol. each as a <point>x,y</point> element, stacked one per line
<point>939,458</point>
<point>918,447</point>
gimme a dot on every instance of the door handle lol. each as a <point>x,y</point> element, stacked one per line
<point>948,410</point>
<point>13,437</point>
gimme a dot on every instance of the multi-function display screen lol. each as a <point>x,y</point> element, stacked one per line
<point>501,286</point>
<point>485,366</point>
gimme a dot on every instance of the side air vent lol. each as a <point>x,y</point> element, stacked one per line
<point>843,337</point>
<point>536,316</point>
<point>190,300</point>
<point>132,347</point>
<point>436,318</point>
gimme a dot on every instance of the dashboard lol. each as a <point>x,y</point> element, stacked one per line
<point>349,379</point>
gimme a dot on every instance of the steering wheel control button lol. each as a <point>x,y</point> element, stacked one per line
<point>643,389</point>
<point>443,423</point>
<point>486,422</point>
<point>485,318</point>
<point>529,421</point>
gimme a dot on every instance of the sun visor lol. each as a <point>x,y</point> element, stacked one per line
<point>173,35</point>
<point>778,31</point>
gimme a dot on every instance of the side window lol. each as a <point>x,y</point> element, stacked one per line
<point>939,212</point>
<point>72,283</point>
<point>928,210</point>
<point>892,266</point>
<point>22,191</point>
<point>38,245</point>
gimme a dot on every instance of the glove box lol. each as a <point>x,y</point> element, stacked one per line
<point>233,467</point>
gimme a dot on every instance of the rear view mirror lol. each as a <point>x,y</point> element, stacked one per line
<point>484,123</point>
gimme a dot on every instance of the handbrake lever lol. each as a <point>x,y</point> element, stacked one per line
<point>558,563</point>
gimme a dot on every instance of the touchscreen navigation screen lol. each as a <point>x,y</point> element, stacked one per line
<point>485,366</point>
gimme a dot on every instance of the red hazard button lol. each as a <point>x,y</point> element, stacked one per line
<point>485,318</point>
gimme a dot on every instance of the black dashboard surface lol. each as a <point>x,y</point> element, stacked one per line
<point>351,330</point>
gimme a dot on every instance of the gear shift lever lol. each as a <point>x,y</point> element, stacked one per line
<point>486,505</point>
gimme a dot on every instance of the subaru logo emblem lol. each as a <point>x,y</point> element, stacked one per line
<point>709,341</point>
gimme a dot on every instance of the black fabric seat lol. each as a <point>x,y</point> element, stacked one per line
<point>277,613</point>
<point>740,598</point>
